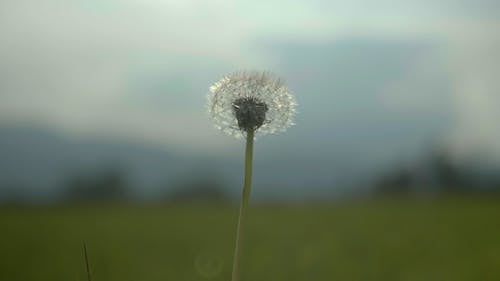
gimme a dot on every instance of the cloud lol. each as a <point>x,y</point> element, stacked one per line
<point>475,66</point>
<point>75,67</point>
<point>140,69</point>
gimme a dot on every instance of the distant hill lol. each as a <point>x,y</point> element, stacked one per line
<point>40,164</point>
<point>37,163</point>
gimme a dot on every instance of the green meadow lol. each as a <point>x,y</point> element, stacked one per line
<point>377,239</point>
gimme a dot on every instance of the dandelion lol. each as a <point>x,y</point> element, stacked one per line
<point>244,104</point>
<point>251,101</point>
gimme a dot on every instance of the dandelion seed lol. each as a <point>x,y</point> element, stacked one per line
<point>251,100</point>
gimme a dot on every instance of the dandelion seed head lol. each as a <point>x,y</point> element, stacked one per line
<point>251,100</point>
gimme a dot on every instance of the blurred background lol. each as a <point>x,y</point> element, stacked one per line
<point>104,132</point>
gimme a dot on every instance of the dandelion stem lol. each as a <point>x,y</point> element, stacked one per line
<point>245,198</point>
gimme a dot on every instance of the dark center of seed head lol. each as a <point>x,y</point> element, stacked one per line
<point>250,113</point>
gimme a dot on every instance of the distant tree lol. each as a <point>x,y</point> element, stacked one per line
<point>12,193</point>
<point>204,189</point>
<point>400,181</point>
<point>447,173</point>
<point>109,184</point>
<point>440,172</point>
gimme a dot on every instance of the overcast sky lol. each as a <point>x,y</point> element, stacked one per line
<point>140,70</point>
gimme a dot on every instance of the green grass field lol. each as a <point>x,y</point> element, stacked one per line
<point>442,239</point>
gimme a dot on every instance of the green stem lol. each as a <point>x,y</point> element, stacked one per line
<point>245,198</point>
<point>87,263</point>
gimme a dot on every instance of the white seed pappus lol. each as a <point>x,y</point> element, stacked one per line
<point>260,86</point>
